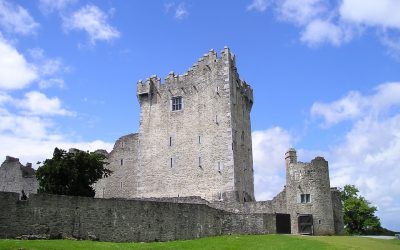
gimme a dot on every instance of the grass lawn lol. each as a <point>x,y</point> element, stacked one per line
<point>223,242</point>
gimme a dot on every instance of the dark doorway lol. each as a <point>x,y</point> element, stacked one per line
<point>283,224</point>
<point>306,224</point>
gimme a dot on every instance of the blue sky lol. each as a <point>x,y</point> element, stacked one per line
<point>325,74</point>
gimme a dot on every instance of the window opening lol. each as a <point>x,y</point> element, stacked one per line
<point>122,162</point>
<point>176,103</point>
<point>305,198</point>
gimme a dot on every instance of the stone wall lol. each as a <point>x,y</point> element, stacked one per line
<point>309,179</point>
<point>123,161</point>
<point>121,220</point>
<point>337,211</point>
<point>14,177</point>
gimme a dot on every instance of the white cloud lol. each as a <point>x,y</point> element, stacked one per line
<point>338,22</point>
<point>29,149</point>
<point>48,6</point>
<point>349,107</point>
<point>300,12</point>
<point>368,155</point>
<point>258,5</point>
<point>92,20</point>
<point>382,13</point>
<point>269,148</point>
<point>31,137</point>
<point>392,44</point>
<point>37,103</point>
<point>320,31</point>
<point>15,71</point>
<point>49,69</point>
<point>355,105</point>
<point>47,83</point>
<point>15,19</point>
<point>181,11</point>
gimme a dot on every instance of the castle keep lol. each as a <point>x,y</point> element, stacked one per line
<point>192,157</point>
<point>194,137</point>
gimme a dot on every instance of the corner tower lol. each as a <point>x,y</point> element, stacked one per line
<point>308,196</point>
<point>195,133</point>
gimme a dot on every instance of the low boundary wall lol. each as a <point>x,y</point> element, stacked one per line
<point>122,220</point>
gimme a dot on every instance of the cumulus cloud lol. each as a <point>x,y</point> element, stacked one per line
<point>269,148</point>
<point>37,103</point>
<point>368,155</point>
<point>300,12</point>
<point>258,5</point>
<point>15,71</point>
<point>15,19</point>
<point>30,134</point>
<point>355,105</point>
<point>382,13</point>
<point>93,21</point>
<point>338,22</point>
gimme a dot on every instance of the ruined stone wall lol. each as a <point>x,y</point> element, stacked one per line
<point>190,152</point>
<point>122,160</point>
<point>337,211</point>
<point>121,220</point>
<point>14,177</point>
<point>313,179</point>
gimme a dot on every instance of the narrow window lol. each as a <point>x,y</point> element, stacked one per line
<point>199,161</point>
<point>122,162</point>
<point>121,184</point>
<point>170,141</point>
<point>305,198</point>
<point>176,103</point>
<point>199,139</point>
<point>242,137</point>
<point>171,162</point>
<point>216,119</point>
<point>217,89</point>
<point>319,222</point>
<point>219,166</point>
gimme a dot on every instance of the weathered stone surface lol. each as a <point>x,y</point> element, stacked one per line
<point>14,177</point>
<point>53,216</point>
<point>203,150</point>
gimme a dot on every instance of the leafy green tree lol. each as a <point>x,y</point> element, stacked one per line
<point>71,173</point>
<point>359,216</point>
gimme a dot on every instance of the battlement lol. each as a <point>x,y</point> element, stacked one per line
<point>11,159</point>
<point>209,62</point>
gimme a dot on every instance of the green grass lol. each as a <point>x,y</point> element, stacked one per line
<point>247,242</point>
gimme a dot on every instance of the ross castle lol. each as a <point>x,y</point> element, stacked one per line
<point>194,147</point>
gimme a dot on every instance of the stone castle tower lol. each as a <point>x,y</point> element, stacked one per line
<point>194,137</point>
<point>309,196</point>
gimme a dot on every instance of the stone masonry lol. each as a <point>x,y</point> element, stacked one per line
<point>193,152</point>
<point>201,149</point>
<point>14,177</point>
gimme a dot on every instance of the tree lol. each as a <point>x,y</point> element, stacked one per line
<point>71,173</point>
<point>359,216</point>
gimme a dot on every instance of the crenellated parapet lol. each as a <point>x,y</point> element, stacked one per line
<point>148,87</point>
<point>222,65</point>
